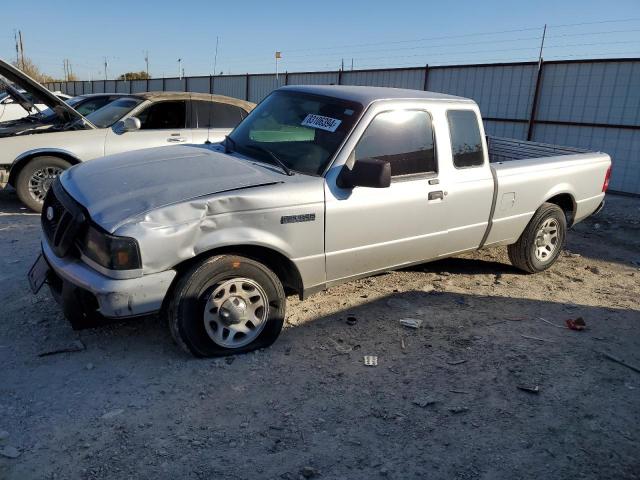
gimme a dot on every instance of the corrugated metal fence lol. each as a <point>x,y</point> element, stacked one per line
<point>593,104</point>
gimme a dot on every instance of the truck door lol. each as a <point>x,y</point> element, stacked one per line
<point>370,229</point>
<point>162,123</point>
<point>469,181</point>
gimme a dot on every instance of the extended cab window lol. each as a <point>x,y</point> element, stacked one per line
<point>217,115</point>
<point>466,142</point>
<point>164,115</point>
<point>404,138</point>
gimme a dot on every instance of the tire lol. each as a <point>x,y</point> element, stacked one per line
<point>226,293</point>
<point>533,252</point>
<point>36,177</point>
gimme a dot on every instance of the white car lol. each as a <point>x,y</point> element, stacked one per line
<point>30,161</point>
<point>10,109</point>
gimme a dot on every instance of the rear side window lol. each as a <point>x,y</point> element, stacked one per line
<point>404,138</point>
<point>164,115</point>
<point>217,115</point>
<point>466,143</point>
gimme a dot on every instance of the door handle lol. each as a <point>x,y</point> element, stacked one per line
<point>176,139</point>
<point>437,195</point>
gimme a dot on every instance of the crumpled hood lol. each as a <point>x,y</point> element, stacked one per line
<point>115,188</point>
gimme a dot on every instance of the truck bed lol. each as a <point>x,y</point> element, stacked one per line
<point>507,149</point>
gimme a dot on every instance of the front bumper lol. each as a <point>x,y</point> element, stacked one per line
<point>81,289</point>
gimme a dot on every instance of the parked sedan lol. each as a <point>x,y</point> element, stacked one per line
<point>48,120</point>
<point>30,163</point>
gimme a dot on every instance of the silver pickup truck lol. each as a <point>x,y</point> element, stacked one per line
<point>319,185</point>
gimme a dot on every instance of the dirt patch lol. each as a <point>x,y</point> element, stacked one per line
<point>482,389</point>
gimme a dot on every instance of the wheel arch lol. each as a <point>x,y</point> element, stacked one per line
<point>567,203</point>
<point>286,271</point>
<point>21,161</point>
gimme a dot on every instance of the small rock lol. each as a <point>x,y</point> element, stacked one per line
<point>112,413</point>
<point>89,366</point>
<point>456,410</point>
<point>230,360</point>
<point>424,402</point>
<point>351,320</point>
<point>309,472</point>
<point>4,435</point>
<point>10,452</point>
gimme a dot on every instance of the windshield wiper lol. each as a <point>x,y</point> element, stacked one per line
<point>273,156</point>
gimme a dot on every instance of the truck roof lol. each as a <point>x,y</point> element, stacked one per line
<point>367,95</point>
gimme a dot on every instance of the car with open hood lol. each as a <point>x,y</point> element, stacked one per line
<point>16,104</point>
<point>46,119</point>
<point>30,163</point>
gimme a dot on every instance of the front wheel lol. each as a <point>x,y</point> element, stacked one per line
<point>225,305</point>
<point>542,240</point>
<point>36,178</point>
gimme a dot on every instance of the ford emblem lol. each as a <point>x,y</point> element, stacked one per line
<point>50,213</point>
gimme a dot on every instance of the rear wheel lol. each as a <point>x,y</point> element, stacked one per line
<point>36,178</point>
<point>224,305</point>
<point>542,240</point>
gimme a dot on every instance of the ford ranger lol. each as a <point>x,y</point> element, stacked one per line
<point>319,185</point>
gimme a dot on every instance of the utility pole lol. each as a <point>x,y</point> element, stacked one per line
<point>21,48</point>
<point>352,64</point>
<point>180,68</point>
<point>342,64</point>
<point>64,68</point>
<point>146,60</point>
<point>15,37</point>
<point>544,33</point>
<point>215,57</point>
<point>106,64</point>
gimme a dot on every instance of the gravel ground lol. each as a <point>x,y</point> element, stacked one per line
<point>450,400</point>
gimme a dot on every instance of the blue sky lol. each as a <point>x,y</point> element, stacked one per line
<point>312,35</point>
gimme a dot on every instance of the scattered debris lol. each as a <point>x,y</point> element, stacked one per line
<point>76,346</point>
<point>536,338</point>
<point>351,320</point>
<point>10,452</point>
<point>229,360</point>
<point>371,360</point>
<point>457,362</point>
<point>578,324</point>
<point>411,322</point>
<point>112,413</point>
<point>529,389</point>
<point>423,402</point>
<point>620,361</point>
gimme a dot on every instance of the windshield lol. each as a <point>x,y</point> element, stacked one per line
<point>302,130</point>
<point>109,114</point>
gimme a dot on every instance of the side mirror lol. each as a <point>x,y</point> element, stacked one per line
<point>131,124</point>
<point>366,172</point>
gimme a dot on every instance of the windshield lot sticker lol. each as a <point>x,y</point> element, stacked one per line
<point>323,123</point>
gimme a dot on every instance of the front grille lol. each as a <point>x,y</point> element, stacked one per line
<point>62,219</point>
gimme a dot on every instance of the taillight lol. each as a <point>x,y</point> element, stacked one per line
<point>607,177</point>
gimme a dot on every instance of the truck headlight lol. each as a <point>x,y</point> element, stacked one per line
<point>111,252</point>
